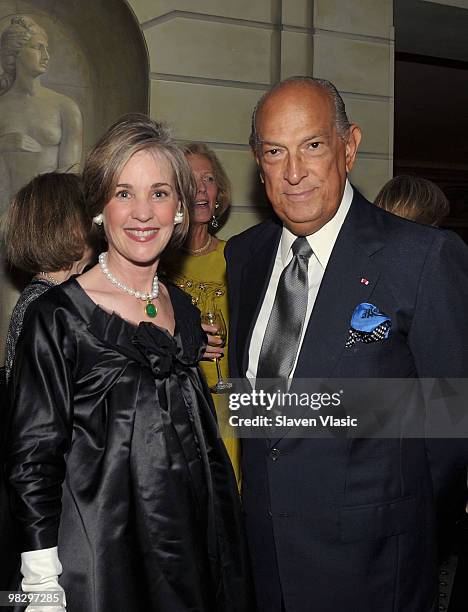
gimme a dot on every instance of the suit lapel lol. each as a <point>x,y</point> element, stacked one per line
<point>254,282</point>
<point>350,278</point>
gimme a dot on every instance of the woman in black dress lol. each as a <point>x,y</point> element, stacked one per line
<point>123,491</point>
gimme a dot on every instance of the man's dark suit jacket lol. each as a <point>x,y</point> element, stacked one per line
<point>339,525</point>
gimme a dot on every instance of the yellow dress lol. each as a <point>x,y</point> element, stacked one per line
<point>204,278</point>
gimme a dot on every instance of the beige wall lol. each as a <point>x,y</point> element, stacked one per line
<point>353,47</point>
<point>210,61</point>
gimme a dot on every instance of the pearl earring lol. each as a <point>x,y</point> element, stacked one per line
<point>98,219</point>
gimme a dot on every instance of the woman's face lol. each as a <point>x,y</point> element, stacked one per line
<point>203,208</point>
<point>139,218</point>
<point>33,57</point>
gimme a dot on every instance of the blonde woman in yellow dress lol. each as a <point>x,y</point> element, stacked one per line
<point>200,269</point>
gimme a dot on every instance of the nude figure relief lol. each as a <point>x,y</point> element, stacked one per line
<point>40,129</point>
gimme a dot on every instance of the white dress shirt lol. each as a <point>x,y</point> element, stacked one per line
<point>321,243</point>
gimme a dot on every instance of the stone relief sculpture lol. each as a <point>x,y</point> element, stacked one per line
<point>40,129</point>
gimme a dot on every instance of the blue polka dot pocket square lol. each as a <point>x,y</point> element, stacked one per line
<point>368,324</point>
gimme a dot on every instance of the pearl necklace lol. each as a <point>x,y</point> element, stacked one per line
<point>202,249</point>
<point>150,308</point>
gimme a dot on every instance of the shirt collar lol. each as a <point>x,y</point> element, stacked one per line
<point>323,240</point>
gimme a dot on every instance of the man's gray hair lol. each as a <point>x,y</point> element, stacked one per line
<point>341,119</point>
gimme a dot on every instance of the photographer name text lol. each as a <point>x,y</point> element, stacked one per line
<point>284,421</point>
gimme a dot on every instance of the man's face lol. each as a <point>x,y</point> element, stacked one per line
<point>302,159</point>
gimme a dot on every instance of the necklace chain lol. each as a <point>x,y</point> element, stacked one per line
<point>202,249</point>
<point>49,277</point>
<point>150,308</point>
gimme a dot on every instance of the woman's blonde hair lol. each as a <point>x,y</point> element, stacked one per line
<point>220,176</point>
<point>130,134</point>
<point>414,198</point>
<point>46,226</point>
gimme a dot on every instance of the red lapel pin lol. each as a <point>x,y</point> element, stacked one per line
<point>364,281</point>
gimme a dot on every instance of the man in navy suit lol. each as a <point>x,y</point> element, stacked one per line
<point>340,524</point>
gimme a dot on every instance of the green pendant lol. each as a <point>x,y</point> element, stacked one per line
<point>151,309</point>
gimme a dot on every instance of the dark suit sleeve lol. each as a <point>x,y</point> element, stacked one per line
<point>438,335</point>
<point>40,426</point>
<point>439,341</point>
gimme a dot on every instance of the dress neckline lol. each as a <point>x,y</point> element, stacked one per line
<point>41,281</point>
<point>95,306</point>
<point>218,247</point>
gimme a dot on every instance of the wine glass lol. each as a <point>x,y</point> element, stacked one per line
<point>215,318</point>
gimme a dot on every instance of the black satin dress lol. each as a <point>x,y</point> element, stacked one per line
<point>114,457</point>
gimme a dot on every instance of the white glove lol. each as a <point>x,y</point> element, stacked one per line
<point>41,569</point>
